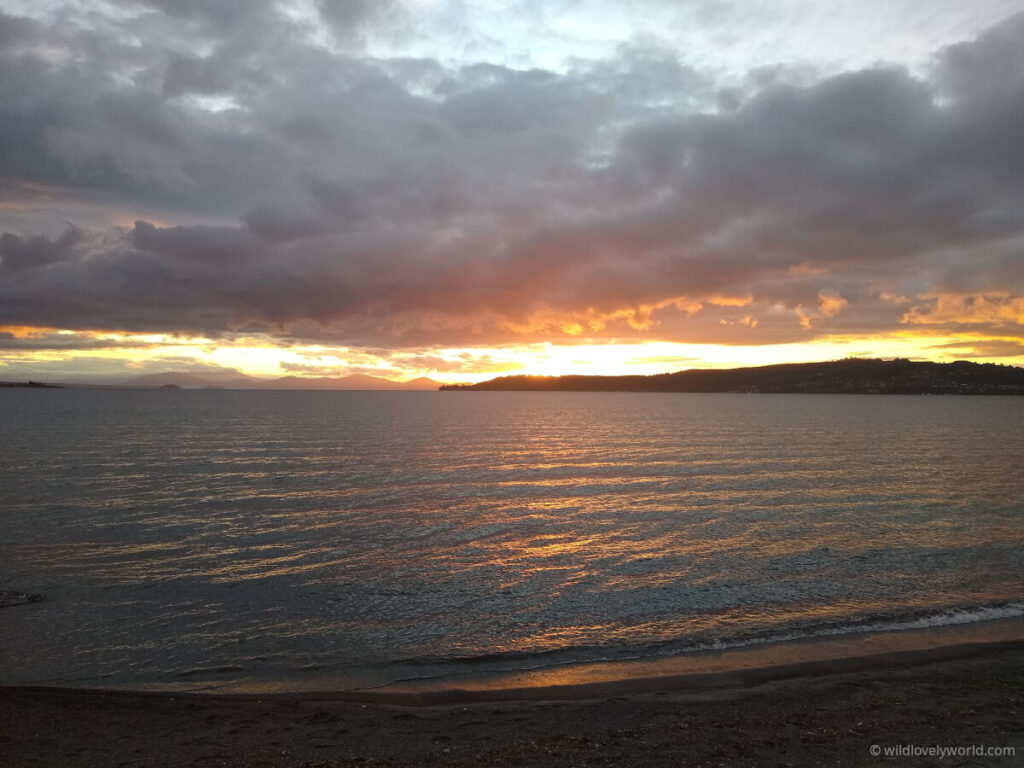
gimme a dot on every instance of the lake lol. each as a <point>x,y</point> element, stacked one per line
<point>209,538</point>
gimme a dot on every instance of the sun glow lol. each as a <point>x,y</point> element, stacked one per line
<point>62,355</point>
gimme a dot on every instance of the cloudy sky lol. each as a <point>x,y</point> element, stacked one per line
<point>464,188</point>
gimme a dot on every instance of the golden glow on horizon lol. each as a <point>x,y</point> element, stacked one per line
<point>135,354</point>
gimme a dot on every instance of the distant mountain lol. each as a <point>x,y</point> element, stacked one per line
<point>422,383</point>
<point>851,376</point>
<point>353,381</point>
<point>235,380</point>
<point>225,380</point>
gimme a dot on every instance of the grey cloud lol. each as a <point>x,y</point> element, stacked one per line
<point>403,202</point>
<point>64,343</point>
<point>517,102</point>
<point>283,223</point>
<point>646,76</point>
<point>222,246</point>
<point>215,74</point>
<point>225,12</point>
<point>18,254</point>
<point>347,16</point>
<point>984,70</point>
<point>19,33</point>
<point>218,21</point>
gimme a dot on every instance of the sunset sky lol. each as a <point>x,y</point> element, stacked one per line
<point>466,188</point>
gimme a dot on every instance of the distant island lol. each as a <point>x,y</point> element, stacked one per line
<point>33,384</point>
<point>853,376</point>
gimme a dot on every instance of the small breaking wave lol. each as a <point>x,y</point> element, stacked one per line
<point>520,661</point>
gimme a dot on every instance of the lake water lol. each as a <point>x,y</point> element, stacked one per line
<point>209,538</point>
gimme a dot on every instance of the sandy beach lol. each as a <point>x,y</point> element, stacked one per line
<point>969,698</point>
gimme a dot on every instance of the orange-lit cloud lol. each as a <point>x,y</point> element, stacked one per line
<point>829,305</point>
<point>638,318</point>
<point>747,321</point>
<point>993,308</point>
<point>25,331</point>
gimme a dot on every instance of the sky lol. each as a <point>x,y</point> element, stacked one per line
<point>462,189</point>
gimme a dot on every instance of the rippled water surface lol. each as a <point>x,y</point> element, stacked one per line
<point>372,536</point>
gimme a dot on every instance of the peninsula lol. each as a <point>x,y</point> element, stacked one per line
<point>32,384</point>
<point>850,376</point>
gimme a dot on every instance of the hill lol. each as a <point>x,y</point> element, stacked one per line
<point>851,376</point>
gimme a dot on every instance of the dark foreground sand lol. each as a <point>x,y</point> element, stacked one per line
<point>815,718</point>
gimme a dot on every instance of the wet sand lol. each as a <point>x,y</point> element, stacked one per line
<point>818,714</point>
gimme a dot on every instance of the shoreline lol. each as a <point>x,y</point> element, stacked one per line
<point>714,669</point>
<point>694,671</point>
<point>970,694</point>
<point>682,684</point>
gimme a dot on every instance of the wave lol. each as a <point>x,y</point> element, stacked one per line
<point>525,661</point>
<point>880,623</point>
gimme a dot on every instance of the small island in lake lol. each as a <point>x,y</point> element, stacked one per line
<point>850,376</point>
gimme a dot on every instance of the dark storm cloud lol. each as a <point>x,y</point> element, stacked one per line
<point>402,201</point>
